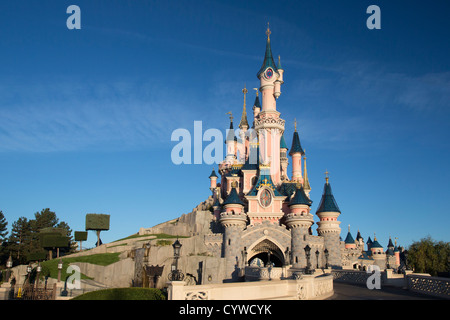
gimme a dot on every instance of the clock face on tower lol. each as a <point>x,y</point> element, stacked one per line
<point>269,73</point>
<point>265,198</point>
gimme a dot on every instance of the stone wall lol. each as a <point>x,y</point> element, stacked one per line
<point>306,288</point>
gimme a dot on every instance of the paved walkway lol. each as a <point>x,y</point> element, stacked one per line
<point>345,291</point>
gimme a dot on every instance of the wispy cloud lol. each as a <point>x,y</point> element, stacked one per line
<point>67,115</point>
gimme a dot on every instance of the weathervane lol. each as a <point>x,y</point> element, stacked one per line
<point>231,116</point>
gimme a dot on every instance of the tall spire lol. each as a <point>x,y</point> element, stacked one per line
<point>268,57</point>
<point>296,146</point>
<point>244,122</point>
<point>306,185</point>
<point>231,136</point>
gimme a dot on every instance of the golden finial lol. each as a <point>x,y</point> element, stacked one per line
<point>256,89</point>
<point>326,175</point>
<point>268,32</point>
<point>295,124</point>
<point>231,116</point>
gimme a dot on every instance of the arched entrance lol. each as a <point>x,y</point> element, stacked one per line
<point>266,253</point>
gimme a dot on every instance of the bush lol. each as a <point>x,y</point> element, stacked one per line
<point>123,294</point>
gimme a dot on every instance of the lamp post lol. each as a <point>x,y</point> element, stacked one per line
<point>29,273</point>
<point>244,256</point>
<point>326,257</point>
<point>308,259</point>
<point>60,266</point>
<point>9,264</point>
<point>38,270</point>
<point>175,274</point>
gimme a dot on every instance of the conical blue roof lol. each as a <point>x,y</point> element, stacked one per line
<point>376,244</point>
<point>283,143</point>
<point>328,203</point>
<point>300,197</point>
<point>233,197</point>
<point>213,174</point>
<point>231,136</point>
<point>349,238</point>
<point>296,146</point>
<point>257,104</point>
<point>268,60</point>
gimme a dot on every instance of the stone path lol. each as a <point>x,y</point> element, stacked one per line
<point>344,291</point>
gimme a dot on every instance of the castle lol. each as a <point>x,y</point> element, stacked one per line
<point>257,219</point>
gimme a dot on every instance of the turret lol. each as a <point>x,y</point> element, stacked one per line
<point>234,220</point>
<point>268,124</point>
<point>349,241</point>
<point>360,239</point>
<point>284,161</point>
<point>390,247</point>
<point>213,180</point>
<point>230,142</point>
<point>397,253</point>
<point>299,220</point>
<point>268,74</point>
<point>256,108</point>
<point>279,81</point>
<point>328,226</point>
<point>296,153</point>
<point>377,252</point>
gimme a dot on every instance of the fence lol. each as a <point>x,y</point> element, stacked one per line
<point>31,292</point>
<point>438,287</point>
<point>306,287</point>
<point>435,286</point>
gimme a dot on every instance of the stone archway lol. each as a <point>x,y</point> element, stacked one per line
<point>267,252</point>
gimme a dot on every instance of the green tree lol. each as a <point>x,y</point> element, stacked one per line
<point>20,239</point>
<point>429,256</point>
<point>3,229</point>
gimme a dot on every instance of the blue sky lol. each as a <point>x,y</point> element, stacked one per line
<point>86,115</point>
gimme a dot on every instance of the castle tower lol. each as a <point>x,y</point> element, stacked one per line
<point>234,220</point>
<point>243,144</point>
<point>328,226</point>
<point>268,124</point>
<point>349,241</point>
<point>299,220</point>
<point>231,142</point>
<point>396,253</point>
<point>256,107</point>
<point>296,153</point>
<point>213,181</point>
<point>378,254</point>
<point>390,247</point>
<point>360,239</point>
<point>284,159</point>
